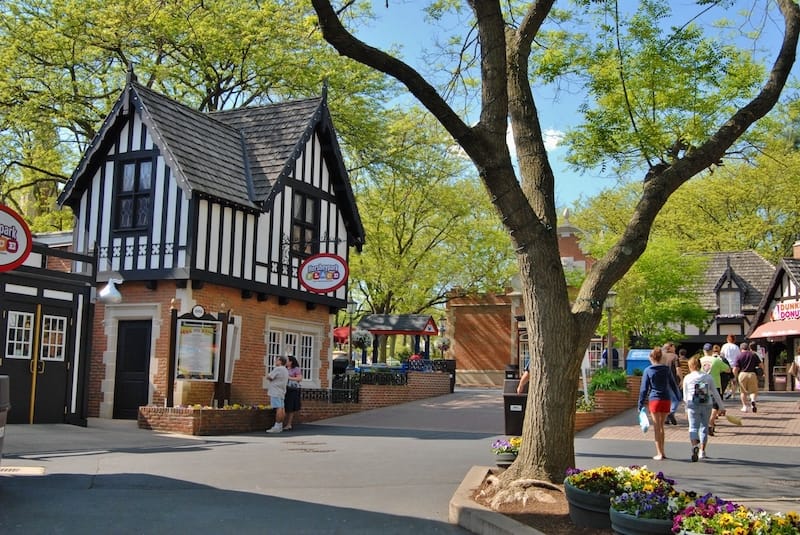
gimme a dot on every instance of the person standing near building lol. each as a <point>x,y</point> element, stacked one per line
<point>276,390</point>
<point>292,399</point>
<point>658,390</point>
<point>745,372</point>
<point>700,394</point>
<point>730,354</point>
<point>712,364</point>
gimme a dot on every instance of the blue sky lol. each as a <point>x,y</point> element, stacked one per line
<point>403,23</point>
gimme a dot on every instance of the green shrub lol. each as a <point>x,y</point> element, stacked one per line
<point>605,379</point>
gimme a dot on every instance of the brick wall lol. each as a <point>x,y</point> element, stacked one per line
<point>190,421</point>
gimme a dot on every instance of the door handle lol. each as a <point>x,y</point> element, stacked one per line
<point>30,365</point>
<point>40,367</point>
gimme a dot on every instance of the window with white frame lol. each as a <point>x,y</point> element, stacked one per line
<point>595,352</point>
<point>295,340</point>
<point>730,303</point>
<point>19,335</point>
<point>54,337</point>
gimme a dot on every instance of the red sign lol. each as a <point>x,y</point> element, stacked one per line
<point>15,239</point>
<point>323,273</point>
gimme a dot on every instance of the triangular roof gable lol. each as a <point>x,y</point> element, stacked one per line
<point>242,156</point>
<point>403,324</point>
<point>788,266</point>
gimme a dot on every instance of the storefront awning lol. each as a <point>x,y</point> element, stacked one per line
<point>777,329</point>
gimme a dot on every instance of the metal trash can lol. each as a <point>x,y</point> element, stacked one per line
<point>512,371</point>
<point>513,407</point>
<point>5,405</point>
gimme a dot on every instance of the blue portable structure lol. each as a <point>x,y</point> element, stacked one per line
<point>637,359</point>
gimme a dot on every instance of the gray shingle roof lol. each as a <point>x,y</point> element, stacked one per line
<point>406,323</point>
<point>205,154</point>
<point>274,136</point>
<point>751,271</point>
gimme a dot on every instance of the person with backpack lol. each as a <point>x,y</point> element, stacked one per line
<point>712,364</point>
<point>698,393</point>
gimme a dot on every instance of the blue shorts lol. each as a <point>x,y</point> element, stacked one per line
<point>276,402</point>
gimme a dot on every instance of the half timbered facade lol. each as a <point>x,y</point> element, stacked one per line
<point>213,212</point>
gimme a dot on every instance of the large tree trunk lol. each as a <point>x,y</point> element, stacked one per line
<point>559,331</point>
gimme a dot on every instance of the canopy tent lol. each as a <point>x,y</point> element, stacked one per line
<point>777,329</point>
<point>415,325</point>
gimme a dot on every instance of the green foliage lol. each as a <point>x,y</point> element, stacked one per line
<point>582,405</point>
<point>430,226</point>
<point>605,379</point>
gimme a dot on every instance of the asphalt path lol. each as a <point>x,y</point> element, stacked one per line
<point>385,471</point>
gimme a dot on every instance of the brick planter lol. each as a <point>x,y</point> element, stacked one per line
<point>206,421</point>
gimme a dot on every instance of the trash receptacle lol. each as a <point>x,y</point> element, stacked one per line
<point>513,407</point>
<point>512,371</point>
<point>5,405</point>
<point>637,359</point>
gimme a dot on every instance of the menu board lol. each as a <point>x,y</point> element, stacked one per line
<point>198,350</point>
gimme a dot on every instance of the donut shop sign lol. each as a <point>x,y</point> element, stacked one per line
<point>15,239</point>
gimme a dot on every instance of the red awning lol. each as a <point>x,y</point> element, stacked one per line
<point>341,335</point>
<point>777,329</point>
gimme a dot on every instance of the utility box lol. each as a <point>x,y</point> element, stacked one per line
<point>5,405</point>
<point>512,371</point>
<point>637,359</point>
<point>513,407</point>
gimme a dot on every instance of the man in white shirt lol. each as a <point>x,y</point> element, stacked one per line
<point>730,352</point>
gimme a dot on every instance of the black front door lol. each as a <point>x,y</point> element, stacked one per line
<point>132,383</point>
<point>37,353</point>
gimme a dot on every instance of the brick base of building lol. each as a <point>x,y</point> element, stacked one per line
<point>228,421</point>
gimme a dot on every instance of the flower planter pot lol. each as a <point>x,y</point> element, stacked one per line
<point>626,524</point>
<point>504,460</point>
<point>588,509</point>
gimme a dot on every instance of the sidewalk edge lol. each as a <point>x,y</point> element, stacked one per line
<point>478,519</point>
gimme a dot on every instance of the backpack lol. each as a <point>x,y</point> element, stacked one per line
<point>700,393</point>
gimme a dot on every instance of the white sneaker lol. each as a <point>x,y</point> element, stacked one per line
<point>701,455</point>
<point>277,428</point>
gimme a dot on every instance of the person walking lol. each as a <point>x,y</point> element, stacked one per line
<point>730,354</point>
<point>292,399</point>
<point>670,359</point>
<point>712,364</point>
<point>658,389</point>
<point>700,394</point>
<point>276,390</point>
<point>745,371</point>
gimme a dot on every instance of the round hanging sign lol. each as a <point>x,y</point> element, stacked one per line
<point>323,273</point>
<point>15,239</point>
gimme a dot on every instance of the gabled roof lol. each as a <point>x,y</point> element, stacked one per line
<point>789,266</point>
<point>239,156</point>
<point>751,272</point>
<point>410,324</point>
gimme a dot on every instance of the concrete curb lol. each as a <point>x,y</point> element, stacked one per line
<point>478,519</point>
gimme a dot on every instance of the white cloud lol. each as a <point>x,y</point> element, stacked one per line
<point>552,139</point>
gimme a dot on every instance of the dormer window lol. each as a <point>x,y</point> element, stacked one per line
<point>132,202</point>
<point>730,302</point>
<point>305,224</point>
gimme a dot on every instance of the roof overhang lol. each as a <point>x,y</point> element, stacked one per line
<point>777,329</point>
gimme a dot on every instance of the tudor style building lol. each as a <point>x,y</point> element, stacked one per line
<point>206,219</point>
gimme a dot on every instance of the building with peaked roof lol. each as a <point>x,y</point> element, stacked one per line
<point>212,227</point>
<point>776,326</point>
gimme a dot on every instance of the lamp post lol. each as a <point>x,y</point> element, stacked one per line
<point>609,306</point>
<point>442,331</point>
<point>351,310</point>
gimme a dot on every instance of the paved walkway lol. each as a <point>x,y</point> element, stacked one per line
<point>392,470</point>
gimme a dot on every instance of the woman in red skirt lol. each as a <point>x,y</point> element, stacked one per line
<point>658,390</point>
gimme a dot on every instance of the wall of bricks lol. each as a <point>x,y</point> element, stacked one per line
<point>190,421</point>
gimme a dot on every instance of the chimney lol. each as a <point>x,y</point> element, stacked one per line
<point>796,250</point>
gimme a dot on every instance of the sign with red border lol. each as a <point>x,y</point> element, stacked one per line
<point>323,273</point>
<point>15,239</point>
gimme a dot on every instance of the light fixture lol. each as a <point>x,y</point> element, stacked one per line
<point>109,295</point>
<point>609,303</point>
